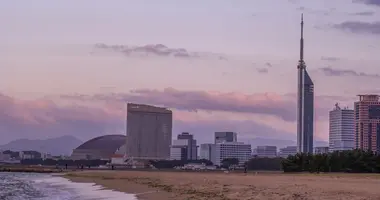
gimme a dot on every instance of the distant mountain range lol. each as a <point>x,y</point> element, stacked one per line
<point>279,143</point>
<point>54,146</point>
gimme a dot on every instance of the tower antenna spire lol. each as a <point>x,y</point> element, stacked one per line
<point>301,42</point>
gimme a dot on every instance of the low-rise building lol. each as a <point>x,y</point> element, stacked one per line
<point>321,150</point>
<point>266,151</point>
<point>184,147</point>
<point>287,151</point>
<point>24,155</point>
<point>4,157</point>
<point>225,150</point>
<point>179,150</point>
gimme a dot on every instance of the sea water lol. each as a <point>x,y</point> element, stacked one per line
<point>29,186</point>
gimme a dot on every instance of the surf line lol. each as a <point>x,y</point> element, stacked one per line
<point>149,192</point>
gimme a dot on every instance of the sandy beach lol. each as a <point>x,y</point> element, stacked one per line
<point>155,185</point>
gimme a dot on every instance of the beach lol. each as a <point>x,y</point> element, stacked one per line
<point>158,185</point>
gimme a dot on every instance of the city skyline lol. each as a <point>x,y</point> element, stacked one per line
<point>224,69</point>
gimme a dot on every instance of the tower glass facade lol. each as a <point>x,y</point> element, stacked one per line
<point>305,105</point>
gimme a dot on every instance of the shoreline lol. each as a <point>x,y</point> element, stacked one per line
<point>139,190</point>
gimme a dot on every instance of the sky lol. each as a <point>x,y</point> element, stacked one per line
<point>66,67</point>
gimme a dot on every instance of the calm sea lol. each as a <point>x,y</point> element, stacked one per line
<point>28,186</point>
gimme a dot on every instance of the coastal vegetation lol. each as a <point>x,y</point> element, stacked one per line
<point>256,163</point>
<point>353,161</point>
<point>170,164</point>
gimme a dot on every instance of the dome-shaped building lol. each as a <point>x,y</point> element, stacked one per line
<point>102,147</point>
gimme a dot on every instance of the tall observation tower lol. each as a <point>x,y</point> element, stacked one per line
<point>305,104</point>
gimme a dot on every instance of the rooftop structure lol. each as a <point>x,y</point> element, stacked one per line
<point>221,137</point>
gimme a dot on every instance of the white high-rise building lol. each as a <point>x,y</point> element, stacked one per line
<point>341,129</point>
<point>225,150</point>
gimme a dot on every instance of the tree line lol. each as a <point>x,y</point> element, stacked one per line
<point>354,161</point>
<point>256,163</point>
<point>170,164</point>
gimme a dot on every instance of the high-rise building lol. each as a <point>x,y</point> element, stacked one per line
<point>221,137</point>
<point>341,129</point>
<point>225,150</point>
<point>149,132</point>
<point>287,151</point>
<point>305,104</point>
<point>367,123</point>
<point>184,148</point>
<point>192,145</point>
<point>206,151</point>
<point>266,151</point>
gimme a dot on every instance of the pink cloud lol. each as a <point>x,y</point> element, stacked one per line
<point>260,103</point>
<point>200,112</point>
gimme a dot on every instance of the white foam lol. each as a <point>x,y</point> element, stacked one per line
<point>84,190</point>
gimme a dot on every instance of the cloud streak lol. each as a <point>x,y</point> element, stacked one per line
<point>359,27</point>
<point>262,70</point>
<point>364,13</point>
<point>329,71</point>
<point>44,118</point>
<point>154,50</point>
<point>200,112</point>
<point>368,2</point>
<point>330,59</point>
<point>263,103</point>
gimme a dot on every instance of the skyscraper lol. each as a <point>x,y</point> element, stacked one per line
<point>149,132</point>
<point>305,104</point>
<point>341,129</point>
<point>367,123</point>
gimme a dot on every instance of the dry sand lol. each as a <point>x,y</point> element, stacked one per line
<point>235,186</point>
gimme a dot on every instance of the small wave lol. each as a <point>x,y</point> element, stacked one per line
<point>85,191</point>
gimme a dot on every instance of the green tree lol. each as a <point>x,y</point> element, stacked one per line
<point>228,162</point>
<point>357,161</point>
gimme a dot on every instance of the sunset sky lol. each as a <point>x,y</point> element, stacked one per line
<point>222,65</point>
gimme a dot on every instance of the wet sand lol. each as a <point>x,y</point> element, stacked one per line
<point>235,186</point>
